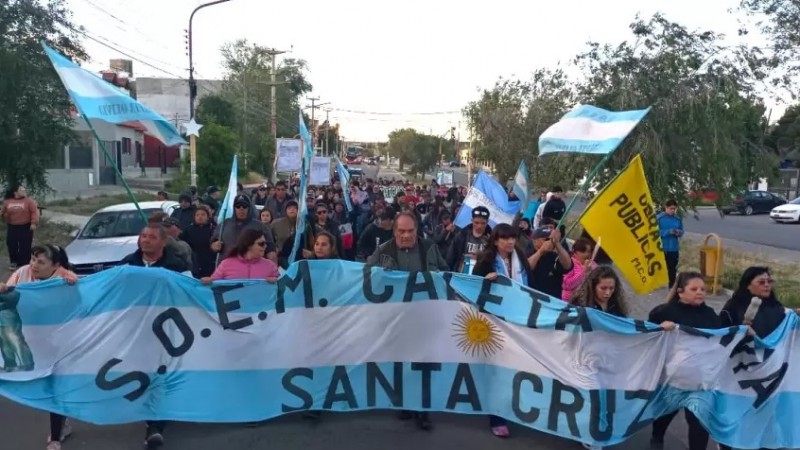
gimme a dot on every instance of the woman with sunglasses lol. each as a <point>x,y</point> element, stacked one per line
<point>755,282</point>
<point>246,261</point>
<point>47,262</point>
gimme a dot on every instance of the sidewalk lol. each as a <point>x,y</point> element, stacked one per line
<point>70,219</point>
<point>767,252</point>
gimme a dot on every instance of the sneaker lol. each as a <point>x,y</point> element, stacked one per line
<point>66,431</point>
<point>153,440</point>
<point>423,421</point>
<point>501,431</point>
<point>53,445</point>
<point>592,447</point>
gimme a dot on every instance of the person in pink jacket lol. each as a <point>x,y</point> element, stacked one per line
<point>581,264</point>
<point>246,261</point>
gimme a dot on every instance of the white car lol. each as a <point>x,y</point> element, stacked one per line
<point>111,234</point>
<point>789,212</point>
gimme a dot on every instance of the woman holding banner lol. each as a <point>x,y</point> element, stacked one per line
<point>602,290</point>
<point>502,258</point>
<point>47,262</point>
<point>685,306</point>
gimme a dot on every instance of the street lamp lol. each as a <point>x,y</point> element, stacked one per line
<point>192,82</point>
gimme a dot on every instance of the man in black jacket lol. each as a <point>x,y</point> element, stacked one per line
<point>185,214</point>
<point>153,252</point>
<point>470,241</point>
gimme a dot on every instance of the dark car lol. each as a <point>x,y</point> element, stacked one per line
<point>754,202</point>
<point>455,163</point>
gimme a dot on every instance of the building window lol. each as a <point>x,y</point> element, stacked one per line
<point>80,152</point>
<point>111,148</point>
<point>58,161</point>
<point>126,146</point>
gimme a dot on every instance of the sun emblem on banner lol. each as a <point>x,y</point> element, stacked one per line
<point>476,334</point>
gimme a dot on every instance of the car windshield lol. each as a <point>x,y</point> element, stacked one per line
<point>795,201</point>
<point>115,224</point>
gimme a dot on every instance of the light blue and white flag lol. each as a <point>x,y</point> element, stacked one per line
<point>302,204</point>
<point>133,343</point>
<point>226,207</point>
<point>98,99</point>
<point>520,187</point>
<point>588,129</point>
<point>486,191</point>
<point>344,180</point>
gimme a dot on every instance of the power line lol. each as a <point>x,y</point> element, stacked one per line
<point>375,113</point>
<point>126,24</point>
<point>141,55</point>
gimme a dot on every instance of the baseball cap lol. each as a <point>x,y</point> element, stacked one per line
<point>212,189</point>
<point>241,200</point>
<point>542,233</point>
<point>171,221</point>
<point>480,211</point>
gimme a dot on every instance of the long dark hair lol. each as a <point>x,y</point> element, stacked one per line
<point>681,280</point>
<point>501,231</point>
<point>331,240</point>
<point>742,293</point>
<point>585,294</point>
<point>54,253</point>
<point>247,238</point>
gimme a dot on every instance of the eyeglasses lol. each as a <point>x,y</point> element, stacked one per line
<point>240,207</point>
<point>261,243</point>
<point>765,282</point>
<point>319,213</point>
<point>480,214</point>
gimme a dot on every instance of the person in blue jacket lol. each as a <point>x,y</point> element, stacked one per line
<point>671,227</point>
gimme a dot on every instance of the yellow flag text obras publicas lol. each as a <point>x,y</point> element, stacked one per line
<point>624,217</point>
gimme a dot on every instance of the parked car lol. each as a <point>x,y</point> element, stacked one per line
<point>455,163</point>
<point>790,212</point>
<point>754,202</point>
<point>111,234</point>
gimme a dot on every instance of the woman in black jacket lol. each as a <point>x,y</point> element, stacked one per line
<point>602,290</point>
<point>755,282</point>
<point>198,236</point>
<point>685,306</point>
<point>502,258</point>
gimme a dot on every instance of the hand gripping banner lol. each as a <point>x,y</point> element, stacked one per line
<point>132,344</point>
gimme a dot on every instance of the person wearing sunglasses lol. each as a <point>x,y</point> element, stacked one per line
<point>244,218</point>
<point>756,281</point>
<point>246,261</point>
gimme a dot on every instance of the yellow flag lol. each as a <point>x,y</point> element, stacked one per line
<point>624,216</point>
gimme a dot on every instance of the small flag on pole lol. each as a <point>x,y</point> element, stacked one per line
<point>226,207</point>
<point>588,129</point>
<point>344,180</point>
<point>520,187</point>
<point>98,99</point>
<point>486,191</point>
<point>302,204</point>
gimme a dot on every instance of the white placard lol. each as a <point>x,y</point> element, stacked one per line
<point>320,171</point>
<point>290,153</point>
<point>444,177</point>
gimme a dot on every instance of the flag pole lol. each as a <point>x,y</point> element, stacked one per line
<point>582,190</point>
<point>116,169</point>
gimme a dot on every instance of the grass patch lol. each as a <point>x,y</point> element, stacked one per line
<point>56,233</point>
<point>88,206</point>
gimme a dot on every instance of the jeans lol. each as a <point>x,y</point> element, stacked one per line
<point>19,240</point>
<point>56,426</point>
<point>672,266</point>
<point>698,436</point>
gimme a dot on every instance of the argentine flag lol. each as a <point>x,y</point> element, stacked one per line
<point>591,130</point>
<point>226,207</point>
<point>97,99</point>
<point>520,187</point>
<point>344,180</point>
<point>486,191</point>
<point>301,202</point>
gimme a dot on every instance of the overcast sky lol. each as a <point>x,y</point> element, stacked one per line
<point>380,64</point>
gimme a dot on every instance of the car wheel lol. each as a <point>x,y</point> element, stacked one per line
<point>748,210</point>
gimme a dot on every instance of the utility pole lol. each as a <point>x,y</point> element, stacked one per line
<point>314,106</point>
<point>327,127</point>
<point>274,84</point>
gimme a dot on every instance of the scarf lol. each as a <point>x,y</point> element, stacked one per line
<point>518,272</point>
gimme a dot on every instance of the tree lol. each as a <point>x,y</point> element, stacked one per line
<point>401,145</point>
<point>247,86</point>
<point>508,119</point>
<point>35,118</point>
<point>420,151</point>
<point>784,137</point>
<point>706,127</point>
<point>215,150</point>
<point>780,21</point>
<point>215,108</point>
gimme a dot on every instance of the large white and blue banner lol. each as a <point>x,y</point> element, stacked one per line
<point>486,191</point>
<point>132,344</point>
<point>589,129</point>
<point>98,99</point>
